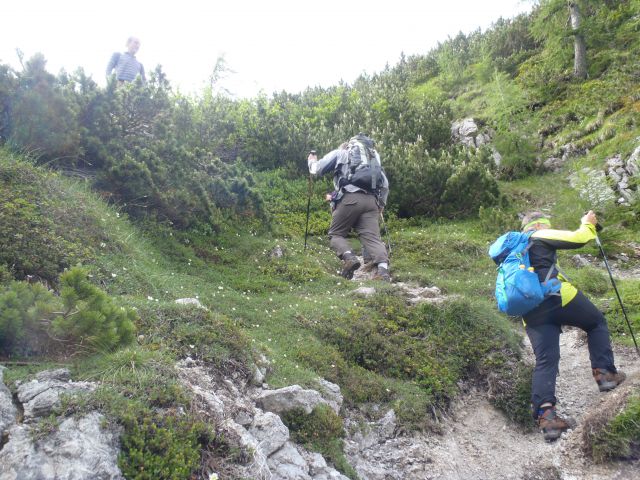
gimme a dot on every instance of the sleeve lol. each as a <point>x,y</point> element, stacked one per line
<point>325,164</point>
<point>565,239</point>
<point>112,63</point>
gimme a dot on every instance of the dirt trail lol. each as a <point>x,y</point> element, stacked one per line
<point>479,443</point>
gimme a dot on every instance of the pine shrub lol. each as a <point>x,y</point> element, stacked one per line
<point>91,319</point>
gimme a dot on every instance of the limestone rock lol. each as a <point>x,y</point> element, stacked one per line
<point>8,411</point>
<point>289,398</point>
<point>79,449</point>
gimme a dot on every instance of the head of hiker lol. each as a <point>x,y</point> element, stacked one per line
<point>133,45</point>
<point>361,191</point>
<point>535,221</point>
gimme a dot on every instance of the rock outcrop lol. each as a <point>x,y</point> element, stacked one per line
<point>78,448</point>
<point>249,419</point>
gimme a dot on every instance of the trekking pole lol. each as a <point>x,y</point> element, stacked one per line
<point>624,312</point>
<point>386,231</point>
<point>309,191</point>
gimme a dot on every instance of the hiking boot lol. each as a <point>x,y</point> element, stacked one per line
<point>382,274</point>
<point>551,424</point>
<point>607,380</point>
<point>350,264</point>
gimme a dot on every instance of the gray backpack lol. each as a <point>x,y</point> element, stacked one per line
<point>363,168</point>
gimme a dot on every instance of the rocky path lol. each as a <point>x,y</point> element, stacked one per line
<point>479,443</point>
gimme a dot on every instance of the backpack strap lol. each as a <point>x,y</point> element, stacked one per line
<point>551,269</point>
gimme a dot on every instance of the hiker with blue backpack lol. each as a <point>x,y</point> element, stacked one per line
<point>531,284</point>
<point>361,191</point>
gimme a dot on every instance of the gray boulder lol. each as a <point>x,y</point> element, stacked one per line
<point>289,398</point>
<point>8,411</point>
<point>269,431</point>
<point>40,397</point>
<point>288,464</point>
<point>80,449</point>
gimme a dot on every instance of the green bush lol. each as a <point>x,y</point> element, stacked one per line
<point>24,309</point>
<point>91,319</point>
<point>434,347</point>
<point>497,221</point>
<point>43,230</point>
<point>160,446</point>
<point>455,184</point>
<point>321,431</point>
<point>35,322</point>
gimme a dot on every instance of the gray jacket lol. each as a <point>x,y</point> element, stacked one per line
<point>337,161</point>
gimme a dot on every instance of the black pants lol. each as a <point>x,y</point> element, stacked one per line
<point>543,326</point>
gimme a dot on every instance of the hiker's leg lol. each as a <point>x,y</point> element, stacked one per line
<point>545,340</point>
<point>581,313</point>
<point>342,221</point>
<point>368,230</point>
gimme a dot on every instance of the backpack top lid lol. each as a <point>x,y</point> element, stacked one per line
<point>361,150</point>
<point>363,139</point>
<point>505,244</point>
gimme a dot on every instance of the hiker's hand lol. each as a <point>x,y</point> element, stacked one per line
<point>590,217</point>
<point>312,158</point>
<point>327,197</point>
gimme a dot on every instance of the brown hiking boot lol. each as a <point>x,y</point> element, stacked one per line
<point>382,274</point>
<point>350,264</point>
<point>607,380</point>
<point>551,424</point>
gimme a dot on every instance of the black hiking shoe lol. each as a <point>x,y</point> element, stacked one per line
<point>607,380</point>
<point>350,264</point>
<point>382,274</point>
<point>551,424</point>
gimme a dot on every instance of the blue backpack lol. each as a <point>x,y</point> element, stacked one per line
<point>518,288</point>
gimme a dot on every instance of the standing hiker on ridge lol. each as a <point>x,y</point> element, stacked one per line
<point>362,190</point>
<point>569,307</point>
<point>126,65</point>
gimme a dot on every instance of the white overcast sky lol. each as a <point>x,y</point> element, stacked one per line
<point>272,45</point>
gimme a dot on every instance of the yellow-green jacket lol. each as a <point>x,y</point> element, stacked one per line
<point>543,255</point>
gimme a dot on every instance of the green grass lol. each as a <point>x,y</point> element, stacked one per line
<point>617,437</point>
<point>303,317</point>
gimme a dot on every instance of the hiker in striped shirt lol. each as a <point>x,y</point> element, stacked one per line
<point>126,66</point>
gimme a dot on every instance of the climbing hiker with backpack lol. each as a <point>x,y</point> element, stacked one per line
<point>531,284</point>
<point>361,191</point>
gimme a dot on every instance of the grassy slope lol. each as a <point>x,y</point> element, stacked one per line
<point>294,309</point>
<point>300,314</point>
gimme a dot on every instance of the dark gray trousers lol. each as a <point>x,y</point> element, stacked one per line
<point>544,327</point>
<point>358,211</point>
